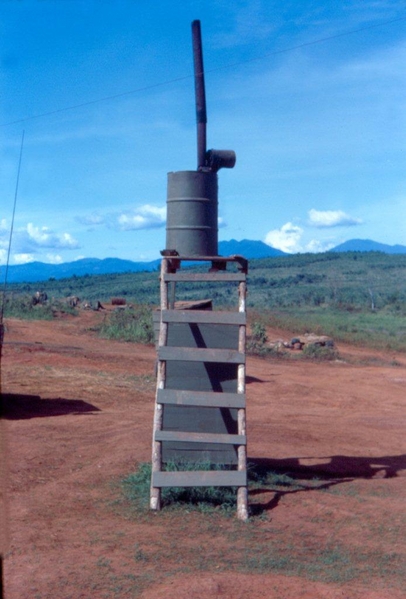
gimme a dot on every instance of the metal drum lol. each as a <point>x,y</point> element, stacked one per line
<point>192,211</point>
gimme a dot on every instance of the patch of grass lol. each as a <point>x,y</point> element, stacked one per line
<point>261,476</point>
<point>21,306</point>
<point>356,297</point>
<point>258,332</point>
<point>319,353</point>
<point>143,382</point>
<point>103,562</point>
<point>261,546</point>
<point>330,563</point>
<point>379,329</point>
<point>256,346</point>
<point>136,488</point>
<point>139,554</point>
<point>347,490</point>
<point>202,498</point>
<point>133,323</point>
<point>259,349</point>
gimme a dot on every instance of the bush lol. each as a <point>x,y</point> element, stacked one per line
<point>21,306</point>
<point>259,332</point>
<point>130,324</point>
<point>256,344</point>
<point>320,353</point>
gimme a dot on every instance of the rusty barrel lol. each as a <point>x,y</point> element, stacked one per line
<point>192,213</point>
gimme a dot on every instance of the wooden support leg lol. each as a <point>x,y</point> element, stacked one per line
<point>242,493</point>
<point>155,497</point>
<point>242,503</point>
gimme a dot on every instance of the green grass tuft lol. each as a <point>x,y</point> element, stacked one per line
<point>133,323</point>
<point>318,353</point>
<point>136,488</point>
<point>21,306</point>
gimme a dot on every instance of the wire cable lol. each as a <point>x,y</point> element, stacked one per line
<point>3,452</point>
<point>11,231</point>
<point>214,69</point>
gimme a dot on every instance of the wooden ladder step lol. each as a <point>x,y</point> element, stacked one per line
<point>193,354</point>
<point>208,399</point>
<point>187,437</point>
<point>200,478</point>
<point>203,317</point>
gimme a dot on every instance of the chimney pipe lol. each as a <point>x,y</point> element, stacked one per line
<point>200,94</point>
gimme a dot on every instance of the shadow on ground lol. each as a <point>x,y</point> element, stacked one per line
<point>336,466</point>
<point>289,476</point>
<point>21,407</point>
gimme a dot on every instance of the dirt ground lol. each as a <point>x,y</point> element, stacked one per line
<point>78,419</point>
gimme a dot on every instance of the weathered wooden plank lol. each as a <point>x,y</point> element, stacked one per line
<point>242,493</point>
<point>161,435</point>
<point>199,478</point>
<point>201,398</point>
<point>218,262</point>
<point>156,461</point>
<point>205,304</point>
<point>205,277</point>
<point>201,316</point>
<point>192,354</point>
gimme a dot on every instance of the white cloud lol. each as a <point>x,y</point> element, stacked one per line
<point>4,239</point>
<point>144,217</point>
<point>22,258</point>
<point>331,218</point>
<point>31,239</point>
<point>287,238</point>
<point>54,259</point>
<point>315,246</point>
<point>65,241</point>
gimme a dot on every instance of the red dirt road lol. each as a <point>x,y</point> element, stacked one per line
<point>79,419</point>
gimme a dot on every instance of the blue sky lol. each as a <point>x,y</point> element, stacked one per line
<point>310,95</point>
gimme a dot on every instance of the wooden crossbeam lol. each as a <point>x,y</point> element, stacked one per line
<point>193,354</point>
<point>200,437</point>
<point>200,478</point>
<point>206,399</point>
<point>204,317</point>
<point>211,277</point>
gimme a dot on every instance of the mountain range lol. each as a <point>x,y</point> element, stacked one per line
<point>367,245</point>
<point>251,249</point>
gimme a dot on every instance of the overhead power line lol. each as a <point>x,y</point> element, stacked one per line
<point>11,231</point>
<point>222,67</point>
